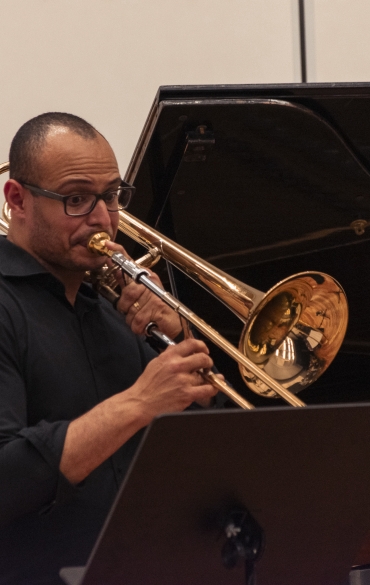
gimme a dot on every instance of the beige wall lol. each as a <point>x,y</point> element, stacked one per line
<point>338,39</point>
<point>104,59</point>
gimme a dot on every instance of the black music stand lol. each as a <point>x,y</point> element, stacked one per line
<point>303,475</point>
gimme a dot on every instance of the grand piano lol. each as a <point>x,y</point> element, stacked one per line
<point>264,181</point>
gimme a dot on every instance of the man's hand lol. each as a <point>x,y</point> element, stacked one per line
<point>141,306</point>
<point>169,383</point>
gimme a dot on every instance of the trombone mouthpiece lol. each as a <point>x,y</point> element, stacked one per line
<point>96,244</point>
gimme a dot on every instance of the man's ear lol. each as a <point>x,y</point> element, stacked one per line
<point>15,196</point>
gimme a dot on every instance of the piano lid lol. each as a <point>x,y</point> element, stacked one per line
<point>265,181</point>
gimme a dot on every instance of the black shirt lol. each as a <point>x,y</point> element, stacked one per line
<point>56,363</point>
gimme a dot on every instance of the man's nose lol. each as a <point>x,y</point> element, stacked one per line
<point>99,215</point>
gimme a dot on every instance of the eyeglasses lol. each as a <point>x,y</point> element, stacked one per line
<point>84,203</point>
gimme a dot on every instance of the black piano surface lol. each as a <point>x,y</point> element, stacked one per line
<point>264,181</point>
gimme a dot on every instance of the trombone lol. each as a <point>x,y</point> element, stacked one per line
<point>290,334</point>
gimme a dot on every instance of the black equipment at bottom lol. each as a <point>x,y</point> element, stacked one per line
<point>282,490</point>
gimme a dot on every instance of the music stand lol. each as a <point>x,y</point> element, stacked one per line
<point>303,474</point>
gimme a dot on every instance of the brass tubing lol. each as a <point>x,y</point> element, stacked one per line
<point>3,222</point>
<point>4,167</point>
<point>222,386</point>
<point>237,296</point>
<point>293,331</point>
<point>97,245</point>
<point>4,226</point>
<point>210,377</point>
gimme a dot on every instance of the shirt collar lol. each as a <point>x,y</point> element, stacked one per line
<point>16,262</point>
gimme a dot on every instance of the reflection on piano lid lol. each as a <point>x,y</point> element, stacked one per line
<point>265,181</point>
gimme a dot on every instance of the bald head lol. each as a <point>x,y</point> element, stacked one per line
<point>68,162</point>
<point>30,140</point>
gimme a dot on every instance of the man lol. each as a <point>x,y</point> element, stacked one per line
<point>77,385</point>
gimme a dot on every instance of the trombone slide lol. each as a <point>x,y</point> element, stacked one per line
<point>141,275</point>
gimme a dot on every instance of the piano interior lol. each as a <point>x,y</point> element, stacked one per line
<point>264,182</point>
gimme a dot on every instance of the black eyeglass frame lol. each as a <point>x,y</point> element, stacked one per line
<point>64,198</point>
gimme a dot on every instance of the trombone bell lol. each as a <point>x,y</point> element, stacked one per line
<point>292,333</point>
<point>295,332</point>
